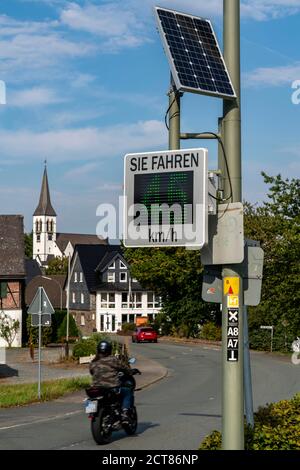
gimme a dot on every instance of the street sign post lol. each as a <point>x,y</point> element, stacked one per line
<point>41,310</point>
<point>270,328</point>
<point>166,199</point>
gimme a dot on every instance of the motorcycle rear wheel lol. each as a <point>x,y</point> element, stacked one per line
<point>100,435</point>
<point>131,427</point>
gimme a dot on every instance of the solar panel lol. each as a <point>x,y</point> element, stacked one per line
<point>194,55</point>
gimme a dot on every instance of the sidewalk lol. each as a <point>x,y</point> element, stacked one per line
<point>21,369</point>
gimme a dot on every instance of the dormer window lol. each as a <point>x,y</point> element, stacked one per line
<point>122,265</point>
<point>112,266</point>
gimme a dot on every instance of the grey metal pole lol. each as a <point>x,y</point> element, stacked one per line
<point>40,344</point>
<point>232,108</point>
<point>174,117</point>
<point>247,373</point>
<point>68,308</point>
<point>233,362</point>
<point>272,335</point>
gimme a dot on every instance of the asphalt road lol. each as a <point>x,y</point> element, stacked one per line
<point>174,414</point>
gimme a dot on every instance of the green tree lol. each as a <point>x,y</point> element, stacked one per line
<point>62,330</point>
<point>58,265</point>
<point>276,224</point>
<point>28,241</point>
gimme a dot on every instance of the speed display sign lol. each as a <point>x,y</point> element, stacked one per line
<point>166,198</point>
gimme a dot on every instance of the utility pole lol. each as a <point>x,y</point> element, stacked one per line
<point>68,307</point>
<point>233,367</point>
<point>174,117</point>
<point>40,342</point>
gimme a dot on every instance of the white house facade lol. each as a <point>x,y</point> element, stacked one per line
<point>103,296</point>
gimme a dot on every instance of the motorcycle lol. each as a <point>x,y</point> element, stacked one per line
<point>105,412</point>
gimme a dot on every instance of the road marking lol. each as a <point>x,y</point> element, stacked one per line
<point>41,420</point>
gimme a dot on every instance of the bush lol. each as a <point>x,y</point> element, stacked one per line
<point>88,346</point>
<point>261,340</point>
<point>57,319</point>
<point>127,327</point>
<point>85,347</point>
<point>277,427</point>
<point>211,332</point>
<point>33,333</point>
<point>62,330</point>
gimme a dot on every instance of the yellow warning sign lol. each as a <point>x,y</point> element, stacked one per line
<point>231,286</point>
<point>233,301</point>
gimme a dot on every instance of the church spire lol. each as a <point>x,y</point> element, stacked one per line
<point>44,206</point>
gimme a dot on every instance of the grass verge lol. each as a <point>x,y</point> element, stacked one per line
<point>23,394</point>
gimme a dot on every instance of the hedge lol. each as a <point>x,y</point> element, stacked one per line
<point>277,427</point>
<point>88,346</point>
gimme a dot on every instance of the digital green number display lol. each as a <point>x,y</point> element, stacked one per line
<point>173,189</point>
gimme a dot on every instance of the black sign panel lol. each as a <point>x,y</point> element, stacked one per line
<point>170,188</point>
<point>233,335</point>
<point>45,319</point>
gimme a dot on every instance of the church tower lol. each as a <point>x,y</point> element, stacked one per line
<point>44,225</point>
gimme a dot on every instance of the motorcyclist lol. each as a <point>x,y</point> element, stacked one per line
<point>105,370</point>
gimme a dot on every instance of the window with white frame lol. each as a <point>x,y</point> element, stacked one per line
<point>81,277</point>
<point>111,277</point>
<point>82,298</point>
<point>112,266</point>
<point>82,320</point>
<point>136,300</point>
<point>73,297</point>
<point>153,301</point>
<point>123,277</point>
<point>122,265</point>
<point>75,277</point>
<point>124,300</point>
<point>107,300</point>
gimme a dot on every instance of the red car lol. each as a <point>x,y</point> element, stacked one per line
<point>144,333</point>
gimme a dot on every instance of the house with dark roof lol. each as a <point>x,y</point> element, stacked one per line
<point>102,293</point>
<point>54,287</point>
<point>32,269</point>
<point>12,272</point>
<point>47,242</point>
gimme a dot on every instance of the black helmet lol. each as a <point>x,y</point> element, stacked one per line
<point>104,347</point>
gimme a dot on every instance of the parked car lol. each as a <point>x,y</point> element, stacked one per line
<point>145,333</point>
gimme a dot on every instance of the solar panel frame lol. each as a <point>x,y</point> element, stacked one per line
<point>200,65</point>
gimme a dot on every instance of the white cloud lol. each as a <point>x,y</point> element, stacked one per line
<point>82,80</point>
<point>113,22</point>
<point>83,144</point>
<point>262,10</point>
<point>28,49</point>
<point>258,10</point>
<point>80,171</point>
<point>272,76</point>
<point>37,96</point>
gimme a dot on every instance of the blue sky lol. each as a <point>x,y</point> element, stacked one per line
<point>87,82</point>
